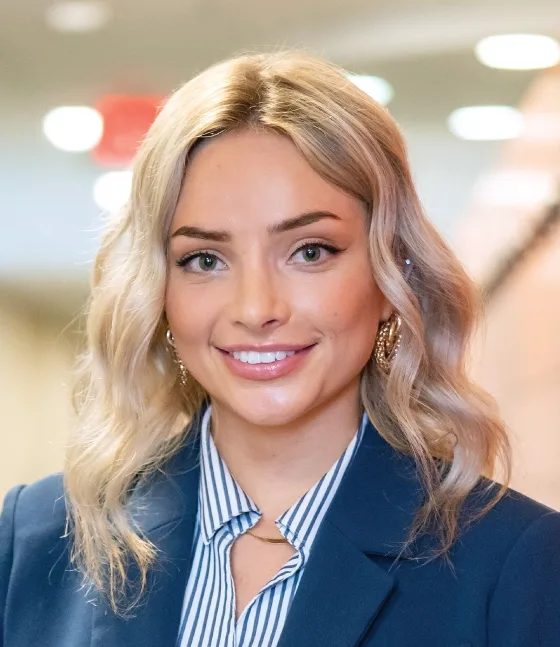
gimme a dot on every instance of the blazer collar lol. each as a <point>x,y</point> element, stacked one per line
<point>341,590</point>
<point>378,498</point>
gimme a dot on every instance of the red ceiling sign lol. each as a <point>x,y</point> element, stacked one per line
<point>126,120</point>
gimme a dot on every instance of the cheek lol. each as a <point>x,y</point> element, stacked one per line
<point>346,306</point>
<point>173,305</point>
<point>188,316</point>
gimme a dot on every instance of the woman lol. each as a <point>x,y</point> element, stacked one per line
<point>277,443</point>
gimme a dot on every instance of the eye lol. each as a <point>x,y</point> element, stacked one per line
<point>311,251</point>
<point>206,262</point>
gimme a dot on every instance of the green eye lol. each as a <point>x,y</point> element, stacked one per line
<point>312,251</point>
<point>206,262</point>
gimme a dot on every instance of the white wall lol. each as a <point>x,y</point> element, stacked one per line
<point>35,411</point>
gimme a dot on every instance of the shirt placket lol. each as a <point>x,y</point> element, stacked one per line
<point>235,528</point>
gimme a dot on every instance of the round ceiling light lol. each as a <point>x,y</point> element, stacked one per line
<point>376,87</point>
<point>78,15</point>
<point>518,52</point>
<point>486,123</point>
<point>73,128</point>
<point>111,190</point>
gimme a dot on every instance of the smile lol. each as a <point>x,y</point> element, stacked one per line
<point>252,365</point>
<point>252,357</point>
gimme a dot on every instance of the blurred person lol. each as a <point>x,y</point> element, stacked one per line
<point>277,442</point>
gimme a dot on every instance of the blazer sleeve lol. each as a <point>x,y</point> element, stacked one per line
<point>525,605</point>
<point>7,520</point>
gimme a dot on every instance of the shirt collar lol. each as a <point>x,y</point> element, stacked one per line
<point>221,498</point>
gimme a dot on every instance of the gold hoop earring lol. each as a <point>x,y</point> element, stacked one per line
<point>388,342</point>
<point>183,373</point>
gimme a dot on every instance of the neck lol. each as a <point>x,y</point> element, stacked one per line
<point>277,465</point>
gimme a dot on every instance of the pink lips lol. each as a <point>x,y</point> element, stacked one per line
<point>265,371</point>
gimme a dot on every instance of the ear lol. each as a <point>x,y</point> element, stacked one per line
<point>386,310</point>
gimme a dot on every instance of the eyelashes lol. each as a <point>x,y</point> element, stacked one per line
<point>185,260</point>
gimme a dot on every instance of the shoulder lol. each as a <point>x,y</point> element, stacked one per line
<point>41,597</point>
<point>36,509</point>
<point>530,534</point>
<point>511,517</point>
<point>518,541</point>
<point>32,523</point>
<point>32,528</point>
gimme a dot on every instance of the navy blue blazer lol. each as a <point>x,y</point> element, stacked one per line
<point>502,589</point>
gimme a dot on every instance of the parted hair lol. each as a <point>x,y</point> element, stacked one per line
<point>133,412</point>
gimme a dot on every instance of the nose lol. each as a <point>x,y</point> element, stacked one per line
<point>260,299</point>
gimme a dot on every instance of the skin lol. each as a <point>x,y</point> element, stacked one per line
<point>277,437</point>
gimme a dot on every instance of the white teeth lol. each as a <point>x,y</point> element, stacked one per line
<point>252,357</point>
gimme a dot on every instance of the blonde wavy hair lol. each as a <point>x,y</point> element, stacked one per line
<point>133,414</point>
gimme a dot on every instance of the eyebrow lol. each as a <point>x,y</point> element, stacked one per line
<point>302,220</point>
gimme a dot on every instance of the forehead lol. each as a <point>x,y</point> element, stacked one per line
<point>260,175</point>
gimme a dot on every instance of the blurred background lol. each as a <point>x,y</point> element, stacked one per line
<point>474,84</point>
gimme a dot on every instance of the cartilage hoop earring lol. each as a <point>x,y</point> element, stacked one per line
<point>183,373</point>
<point>388,342</point>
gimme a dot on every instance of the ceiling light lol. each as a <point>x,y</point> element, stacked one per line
<point>78,15</point>
<point>73,128</point>
<point>376,87</point>
<point>486,123</point>
<point>111,190</point>
<point>518,52</point>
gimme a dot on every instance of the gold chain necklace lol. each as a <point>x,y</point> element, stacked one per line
<point>267,539</point>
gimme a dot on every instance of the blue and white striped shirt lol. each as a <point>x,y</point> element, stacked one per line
<point>224,513</point>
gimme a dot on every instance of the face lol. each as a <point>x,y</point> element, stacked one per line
<point>270,295</point>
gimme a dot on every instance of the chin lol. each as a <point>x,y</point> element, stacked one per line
<point>263,412</point>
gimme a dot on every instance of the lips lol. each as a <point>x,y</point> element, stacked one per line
<point>267,370</point>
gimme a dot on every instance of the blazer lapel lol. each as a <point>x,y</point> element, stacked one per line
<point>342,590</point>
<point>339,596</point>
<point>165,509</point>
